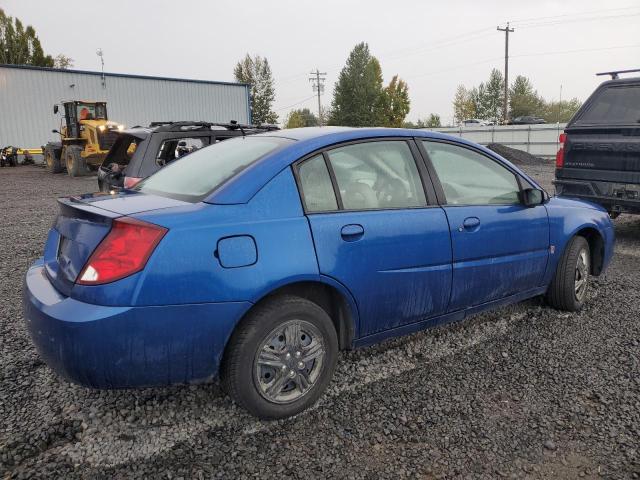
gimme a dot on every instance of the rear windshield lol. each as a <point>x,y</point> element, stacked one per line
<point>123,150</point>
<point>195,176</point>
<point>613,105</point>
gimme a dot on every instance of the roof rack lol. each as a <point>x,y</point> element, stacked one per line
<point>172,126</point>
<point>616,73</point>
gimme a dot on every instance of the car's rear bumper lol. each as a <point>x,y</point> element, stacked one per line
<point>119,347</point>
<point>614,196</point>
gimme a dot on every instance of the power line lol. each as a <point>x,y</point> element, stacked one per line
<point>297,103</point>
<point>520,22</point>
<point>534,54</point>
<point>577,20</point>
<point>506,31</point>
<point>318,87</point>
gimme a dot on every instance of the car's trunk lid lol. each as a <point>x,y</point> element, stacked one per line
<point>81,225</point>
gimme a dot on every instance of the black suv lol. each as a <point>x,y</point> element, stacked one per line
<point>141,151</point>
<point>599,156</point>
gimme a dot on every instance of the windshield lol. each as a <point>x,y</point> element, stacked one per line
<point>91,111</point>
<point>614,105</point>
<point>195,176</point>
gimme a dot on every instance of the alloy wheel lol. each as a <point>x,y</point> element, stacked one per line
<point>581,275</point>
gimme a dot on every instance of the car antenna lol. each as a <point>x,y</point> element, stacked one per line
<point>240,126</point>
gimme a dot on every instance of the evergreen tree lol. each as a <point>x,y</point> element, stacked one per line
<point>257,72</point>
<point>20,45</point>
<point>357,97</point>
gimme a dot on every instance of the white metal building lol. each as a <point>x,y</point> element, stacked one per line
<point>27,96</point>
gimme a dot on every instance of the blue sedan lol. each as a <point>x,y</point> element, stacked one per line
<point>257,259</point>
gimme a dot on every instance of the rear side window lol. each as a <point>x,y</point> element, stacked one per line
<point>377,175</point>
<point>174,148</point>
<point>316,187</point>
<point>613,105</point>
<point>195,176</point>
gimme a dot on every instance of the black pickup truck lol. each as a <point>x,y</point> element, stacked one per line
<point>599,156</point>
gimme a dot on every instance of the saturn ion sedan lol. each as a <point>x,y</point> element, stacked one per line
<point>256,260</point>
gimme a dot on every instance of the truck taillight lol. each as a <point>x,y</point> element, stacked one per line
<point>123,252</point>
<point>560,154</point>
<point>130,182</point>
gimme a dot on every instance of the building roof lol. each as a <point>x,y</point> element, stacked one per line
<point>121,75</point>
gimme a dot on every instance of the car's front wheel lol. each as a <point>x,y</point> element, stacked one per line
<point>281,358</point>
<point>568,289</point>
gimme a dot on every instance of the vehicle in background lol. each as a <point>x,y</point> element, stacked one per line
<point>475,122</point>
<point>526,120</point>
<point>8,156</point>
<point>260,257</point>
<point>86,135</point>
<point>141,151</point>
<point>599,156</point>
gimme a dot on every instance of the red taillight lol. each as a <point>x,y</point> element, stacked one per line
<point>130,182</point>
<point>124,251</point>
<point>560,154</point>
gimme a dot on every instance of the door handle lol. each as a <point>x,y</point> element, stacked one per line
<point>470,223</point>
<point>351,233</point>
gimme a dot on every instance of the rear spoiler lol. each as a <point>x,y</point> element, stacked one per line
<point>76,207</point>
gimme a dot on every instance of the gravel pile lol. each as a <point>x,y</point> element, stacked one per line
<point>523,392</point>
<point>517,157</point>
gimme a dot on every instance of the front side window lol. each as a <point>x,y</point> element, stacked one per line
<point>469,178</point>
<point>316,187</point>
<point>90,111</point>
<point>377,175</point>
<point>197,175</point>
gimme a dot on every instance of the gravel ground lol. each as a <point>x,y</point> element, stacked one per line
<point>522,392</point>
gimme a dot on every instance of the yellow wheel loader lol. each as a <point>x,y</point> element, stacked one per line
<point>86,135</point>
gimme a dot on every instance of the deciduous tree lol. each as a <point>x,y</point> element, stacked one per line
<point>301,118</point>
<point>394,103</point>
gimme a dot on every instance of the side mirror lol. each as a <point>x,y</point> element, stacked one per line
<point>55,109</point>
<point>531,197</point>
<point>54,131</point>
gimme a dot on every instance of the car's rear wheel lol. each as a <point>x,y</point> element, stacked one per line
<point>568,289</point>
<point>281,358</point>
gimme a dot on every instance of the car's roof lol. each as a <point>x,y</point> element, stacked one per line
<point>304,141</point>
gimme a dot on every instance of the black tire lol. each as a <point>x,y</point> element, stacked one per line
<point>76,165</point>
<point>52,159</point>
<point>240,366</point>
<point>565,293</point>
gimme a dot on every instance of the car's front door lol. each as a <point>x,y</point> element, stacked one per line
<point>500,246</point>
<point>375,232</point>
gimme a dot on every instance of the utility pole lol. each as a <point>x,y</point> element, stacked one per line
<point>318,86</point>
<point>506,31</point>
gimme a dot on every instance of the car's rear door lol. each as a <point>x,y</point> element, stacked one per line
<point>500,247</point>
<point>376,232</point>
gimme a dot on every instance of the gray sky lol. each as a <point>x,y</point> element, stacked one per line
<point>433,45</point>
